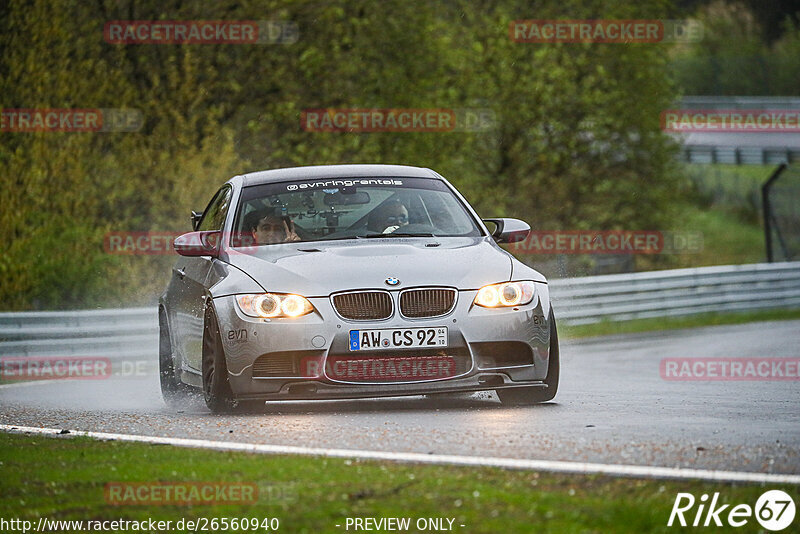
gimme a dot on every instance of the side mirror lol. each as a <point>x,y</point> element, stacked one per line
<point>196,216</point>
<point>509,230</point>
<point>198,243</point>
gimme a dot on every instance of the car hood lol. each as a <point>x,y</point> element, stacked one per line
<point>318,269</point>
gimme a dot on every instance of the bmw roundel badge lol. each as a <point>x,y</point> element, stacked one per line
<point>392,281</point>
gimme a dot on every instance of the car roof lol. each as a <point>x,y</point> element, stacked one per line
<point>335,171</point>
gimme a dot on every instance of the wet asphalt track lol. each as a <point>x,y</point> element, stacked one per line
<point>612,407</point>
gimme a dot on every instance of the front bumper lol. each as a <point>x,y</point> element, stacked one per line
<point>476,334</point>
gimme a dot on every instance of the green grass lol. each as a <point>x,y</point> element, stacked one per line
<point>726,209</point>
<point>734,178</point>
<point>727,238</point>
<point>736,187</point>
<point>605,328</point>
<point>727,212</point>
<point>64,478</point>
<point>724,206</point>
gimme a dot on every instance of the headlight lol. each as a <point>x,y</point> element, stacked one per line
<point>505,294</point>
<point>273,305</point>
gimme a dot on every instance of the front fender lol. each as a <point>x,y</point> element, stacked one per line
<point>225,279</point>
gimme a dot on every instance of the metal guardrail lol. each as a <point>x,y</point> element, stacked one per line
<point>127,333</point>
<point>677,292</point>
<point>133,333</point>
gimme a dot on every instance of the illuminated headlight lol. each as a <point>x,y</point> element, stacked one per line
<point>273,305</point>
<point>505,294</point>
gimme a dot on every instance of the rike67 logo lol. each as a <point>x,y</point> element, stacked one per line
<point>774,510</point>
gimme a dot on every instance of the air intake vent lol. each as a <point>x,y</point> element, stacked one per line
<point>295,363</point>
<point>418,303</point>
<point>279,364</point>
<point>364,305</point>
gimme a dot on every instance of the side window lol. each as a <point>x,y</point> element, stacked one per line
<point>214,216</point>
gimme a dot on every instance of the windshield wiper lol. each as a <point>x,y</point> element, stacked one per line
<point>397,234</point>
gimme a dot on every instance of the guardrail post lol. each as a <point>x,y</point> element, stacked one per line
<point>767,211</point>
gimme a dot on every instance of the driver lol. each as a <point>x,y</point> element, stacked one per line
<point>266,228</point>
<point>388,217</point>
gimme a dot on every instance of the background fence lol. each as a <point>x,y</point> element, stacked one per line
<point>133,333</point>
<point>769,147</point>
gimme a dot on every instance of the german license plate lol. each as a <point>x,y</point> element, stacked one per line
<point>398,338</point>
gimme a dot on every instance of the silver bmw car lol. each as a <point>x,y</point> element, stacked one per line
<point>351,281</point>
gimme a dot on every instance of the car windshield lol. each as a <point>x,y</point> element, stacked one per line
<point>329,209</point>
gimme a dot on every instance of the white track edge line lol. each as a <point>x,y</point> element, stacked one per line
<point>583,468</point>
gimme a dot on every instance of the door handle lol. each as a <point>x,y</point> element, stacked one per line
<point>181,273</point>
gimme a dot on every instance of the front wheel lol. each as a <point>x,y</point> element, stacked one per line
<point>535,395</point>
<point>216,387</point>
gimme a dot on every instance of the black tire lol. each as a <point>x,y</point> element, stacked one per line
<point>534,395</point>
<point>216,387</point>
<point>174,392</point>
